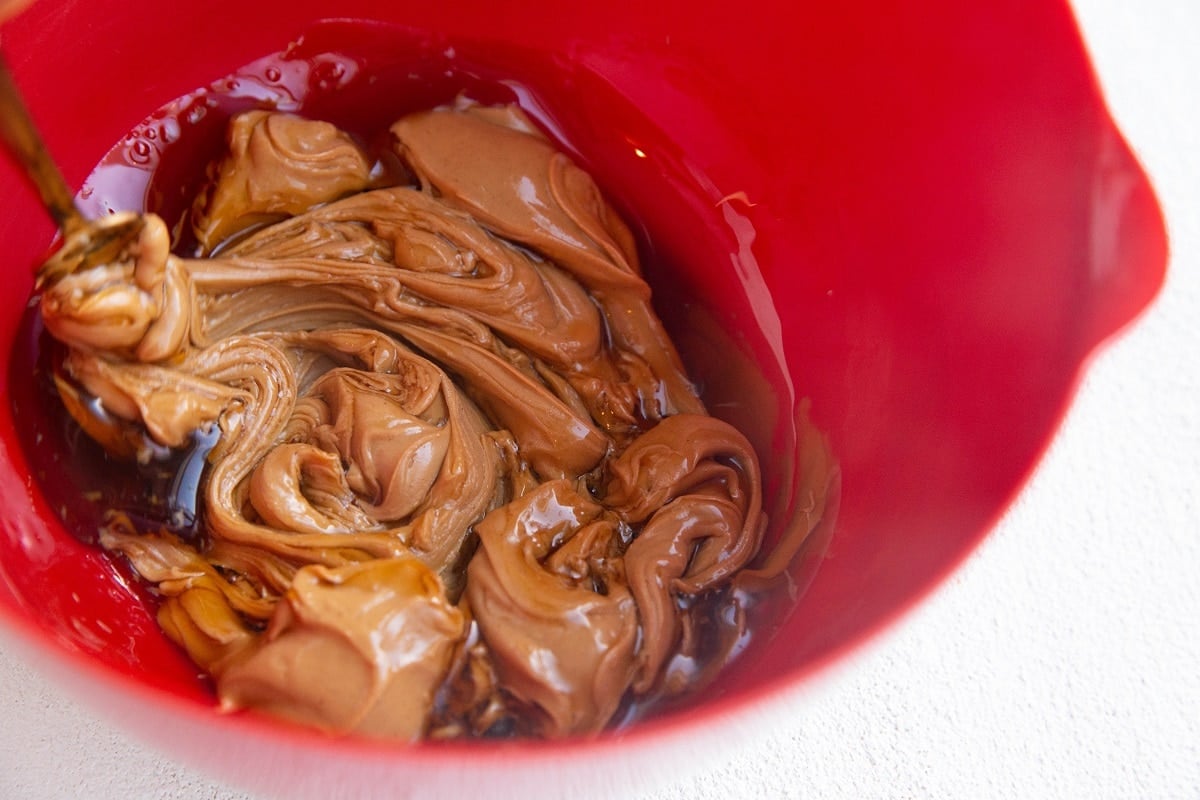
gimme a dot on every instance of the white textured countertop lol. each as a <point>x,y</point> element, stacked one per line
<point>1062,662</point>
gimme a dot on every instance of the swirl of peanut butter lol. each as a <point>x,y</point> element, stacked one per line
<point>461,481</point>
<point>694,483</point>
<point>382,630</point>
<point>278,165</point>
<point>548,595</point>
<point>520,187</point>
<point>134,307</point>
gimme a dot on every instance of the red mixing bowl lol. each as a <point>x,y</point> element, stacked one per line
<point>918,218</point>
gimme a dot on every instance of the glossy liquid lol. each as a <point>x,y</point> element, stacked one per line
<point>362,78</point>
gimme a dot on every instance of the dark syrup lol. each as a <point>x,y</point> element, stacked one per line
<point>83,482</point>
<point>362,77</point>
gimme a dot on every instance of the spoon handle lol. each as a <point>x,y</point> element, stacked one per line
<point>25,144</point>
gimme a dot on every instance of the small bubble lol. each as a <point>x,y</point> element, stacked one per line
<point>273,74</point>
<point>151,133</point>
<point>327,75</point>
<point>141,152</point>
<point>195,114</point>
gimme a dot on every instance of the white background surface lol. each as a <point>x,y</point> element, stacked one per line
<point>1062,662</point>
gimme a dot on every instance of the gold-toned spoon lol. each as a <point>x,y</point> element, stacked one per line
<point>84,243</point>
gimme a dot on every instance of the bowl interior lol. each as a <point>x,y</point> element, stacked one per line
<point>918,221</point>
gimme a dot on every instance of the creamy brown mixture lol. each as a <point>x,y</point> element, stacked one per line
<point>462,483</point>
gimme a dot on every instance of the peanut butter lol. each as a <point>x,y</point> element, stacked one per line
<point>462,483</point>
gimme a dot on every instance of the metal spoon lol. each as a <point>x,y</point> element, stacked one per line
<point>85,243</point>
